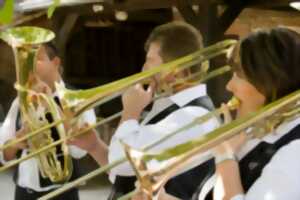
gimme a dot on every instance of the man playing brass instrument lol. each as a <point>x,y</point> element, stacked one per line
<point>166,43</point>
<point>30,185</point>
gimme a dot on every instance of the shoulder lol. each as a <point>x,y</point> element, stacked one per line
<point>280,179</point>
<point>285,162</point>
<point>287,152</point>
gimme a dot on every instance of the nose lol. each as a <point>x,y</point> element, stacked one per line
<point>145,66</point>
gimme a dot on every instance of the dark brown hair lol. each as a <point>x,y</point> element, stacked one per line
<point>51,50</point>
<point>270,60</point>
<point>176,39</point>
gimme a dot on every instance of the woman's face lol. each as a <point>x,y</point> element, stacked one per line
<point>250,98</point>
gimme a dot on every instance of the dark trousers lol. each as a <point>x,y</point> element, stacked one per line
<point>27,194</point>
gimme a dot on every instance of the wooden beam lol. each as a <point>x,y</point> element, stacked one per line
<point>231,13</point>
<point>269,3</point>
<point>66,29</point>
<point>63,33</point>
<point>189,15</point>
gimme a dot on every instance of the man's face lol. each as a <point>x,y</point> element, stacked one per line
<point>47,69</point>
<point>153,59</point>
<point>164,80</point>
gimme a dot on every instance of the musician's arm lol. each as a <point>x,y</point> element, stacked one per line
<point>100,153</point>
<point>87,118</point>
<point>10,153</point>
<point>8,132</point>
<point>228,183</point>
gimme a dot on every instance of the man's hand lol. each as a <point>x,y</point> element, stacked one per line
<point>92,144</point>
<point>38,85</point>
<point>86,141</point>
<point>134,100</point>
<point>11,152</point>
<point>19,134</point>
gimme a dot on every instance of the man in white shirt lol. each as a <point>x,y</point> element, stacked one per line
<point>166,43</point>
<point>29,183</point>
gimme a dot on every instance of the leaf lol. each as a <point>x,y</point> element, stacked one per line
<point>7,12</point>
<point>52,8</point>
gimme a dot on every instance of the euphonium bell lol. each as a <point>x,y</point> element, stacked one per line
<point>38,109</point>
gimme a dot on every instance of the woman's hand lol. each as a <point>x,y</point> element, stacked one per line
<point>233,145</point>
<point>228,182</point>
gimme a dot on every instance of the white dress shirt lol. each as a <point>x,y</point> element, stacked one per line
<point>280,178</point>
<point>139,135</point>
<point>29,170</point>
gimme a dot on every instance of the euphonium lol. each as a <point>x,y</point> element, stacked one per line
<point>38,109</point>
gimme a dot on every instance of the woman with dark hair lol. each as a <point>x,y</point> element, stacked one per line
<point>266,67</point>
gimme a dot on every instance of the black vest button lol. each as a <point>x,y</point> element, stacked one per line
<point>270,151</point>
<point>252,165</point>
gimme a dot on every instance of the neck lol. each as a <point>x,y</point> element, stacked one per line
<point>176,87</point>
<point>52,84</point>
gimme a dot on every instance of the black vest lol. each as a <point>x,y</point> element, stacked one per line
<point>45,182</point>
<point>252,164</point>
<point>182,186</point>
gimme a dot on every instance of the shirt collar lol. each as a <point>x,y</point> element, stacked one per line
<point>282,129</point>
<point>61,82</point>
<point>185,96</point>
<point>271,138</point>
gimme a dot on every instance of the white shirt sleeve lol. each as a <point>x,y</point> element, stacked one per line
<point>87,117</point>
<point>138,136</point>
<point>8,129</point>
<point>280,179</point>
<point>126,132</point>
<point>238,197</point>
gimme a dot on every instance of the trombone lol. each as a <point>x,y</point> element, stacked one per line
<point>255,125</point>
<point>232,104</point>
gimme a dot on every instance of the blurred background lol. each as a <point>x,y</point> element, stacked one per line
<point>101,41</point>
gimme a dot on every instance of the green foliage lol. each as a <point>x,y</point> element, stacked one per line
<point>52,8</point>
<point>7,11</point>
